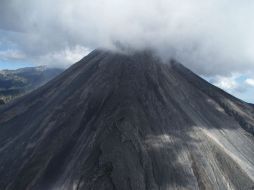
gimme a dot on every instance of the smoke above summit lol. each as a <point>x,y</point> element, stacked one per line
<point>213,37</point>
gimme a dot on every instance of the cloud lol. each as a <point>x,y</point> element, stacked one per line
<point>238,85</point>
<point>226,83</point>
<point>250,82</point>
<point>231,84</point>
<point>11,55</point>
<point>63,57</point>
<point>213,37</point>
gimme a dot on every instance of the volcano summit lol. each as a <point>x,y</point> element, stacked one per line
<point>126,122</point>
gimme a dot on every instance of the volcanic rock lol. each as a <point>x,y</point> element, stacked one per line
<point>117,121</point>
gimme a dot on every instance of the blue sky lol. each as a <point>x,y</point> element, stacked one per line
<point>14,64</point>
<point>239,85</point>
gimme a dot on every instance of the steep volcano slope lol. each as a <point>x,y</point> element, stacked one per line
<point>123,122</point>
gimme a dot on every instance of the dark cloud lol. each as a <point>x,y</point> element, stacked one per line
<point>211,37</point>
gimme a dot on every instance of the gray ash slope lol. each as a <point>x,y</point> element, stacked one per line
<point>123,122</point>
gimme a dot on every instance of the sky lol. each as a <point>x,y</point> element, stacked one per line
<point>214,38</point>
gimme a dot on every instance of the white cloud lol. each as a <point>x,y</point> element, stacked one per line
<point>234,85</point>
<point>11,55</point>
<point>64,57</point>
<point>212,37</point>
<point>75,54</point>
<point>250,81</point>
<point>226,83</point>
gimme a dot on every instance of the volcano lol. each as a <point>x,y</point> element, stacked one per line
<point>117,121</point>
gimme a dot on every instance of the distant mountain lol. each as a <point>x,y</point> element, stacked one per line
<point>127,122</point>
<point>2,102</point>
<point>14,83</point>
